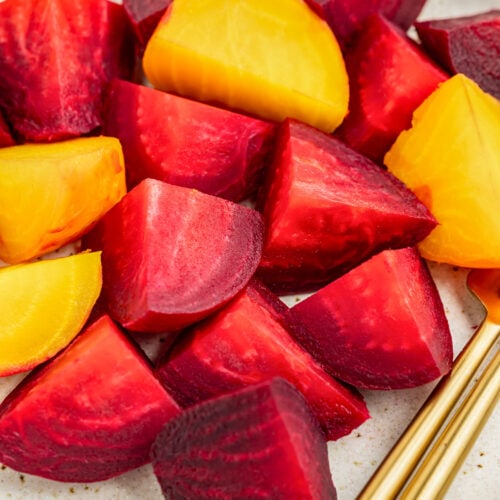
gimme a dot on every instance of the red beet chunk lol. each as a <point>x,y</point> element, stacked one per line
<point>57,56</point>
<point>187,143</point>
<point>5,135</point>
<point>260,442</point>
<point>250,341</point>
<point>468,45</point>
<point>346,17</point>
<point>380,326</point>
<point>389,78</point>
<point>172,255</point>
<point>327,208</point>
<point>90,414</point>
<point>144,15</point>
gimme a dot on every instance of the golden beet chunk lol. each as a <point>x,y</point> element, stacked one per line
<point>451,159</point>
<point>273,59</point>
<point>43,306</point>
<point>50,194</point>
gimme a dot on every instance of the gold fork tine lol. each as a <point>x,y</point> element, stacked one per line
<point>440,466</point>
<point>389,478</point>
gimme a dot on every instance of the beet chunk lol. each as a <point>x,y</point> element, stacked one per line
<point>327,208</point>
<point>57,56</point>
<point>91,413</point>
<point>144,15</point>
<point>187,143</point>
<point>380,326</point>
<point>172,255</point>
<point>346,17</point>
<point>259,442</point>
<point>389,77</point>
<point>247,342</point>
<point>468,45</point>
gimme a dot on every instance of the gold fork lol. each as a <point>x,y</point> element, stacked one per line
<point>444,458</point>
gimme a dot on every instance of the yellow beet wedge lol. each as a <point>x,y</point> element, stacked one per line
<point>274,59</point>
<point>43,306</point>
<point>451,159</point>
<point>51,194</point>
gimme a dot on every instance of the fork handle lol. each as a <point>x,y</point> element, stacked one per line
<point>397,467</point>
<point>440,466</point>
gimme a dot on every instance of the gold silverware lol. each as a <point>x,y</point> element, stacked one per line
<point>432,481</point>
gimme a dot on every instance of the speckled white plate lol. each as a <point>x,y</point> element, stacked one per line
<point>354,458</point>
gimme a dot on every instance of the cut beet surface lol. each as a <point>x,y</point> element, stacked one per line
<point>57,56</point>
<point>389,77</point>
<point>186,142</point>
<point>172,255</point>
<point>144,15</point>
<point>468,45</point>
<point>327,208</point>
<point>346,17</point>
<point>260,442</point>
<point>247,342</point>
<point>90,414</point>
<point>380,326</point>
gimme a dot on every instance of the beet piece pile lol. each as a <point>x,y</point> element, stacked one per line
<point>247,390</point>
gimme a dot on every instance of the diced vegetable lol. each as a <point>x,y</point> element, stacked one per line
<point>468,45</point>
<point>50,194</point>
<point>262,441</point>
<point>346,17</point>
<point>327,208</point>
<point>57,56</point>
<point>244,55</point>
<point>43,306</point>
<point>186,142</point>
<point>396,336</point>
<point>249,341</point>
<point>91,413</point>
<point>451,159</point>
<point>389,77</point>
<point>173,255</point>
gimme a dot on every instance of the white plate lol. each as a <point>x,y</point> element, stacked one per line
<point>353,458</point>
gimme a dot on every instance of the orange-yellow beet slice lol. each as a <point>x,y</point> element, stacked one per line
<point>451,159</point>
<point>43,306</point>
<point>271,58</point>
<point>50,194</point>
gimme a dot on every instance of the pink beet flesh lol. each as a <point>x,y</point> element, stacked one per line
<point>90,414</point>
<point>249,341</point>
<point>172,255</point>
<point>260,442</point>
<point>380,326</point>
<point>187,143</point>
<point>53,73</point>
<point>346,17</point>
<point>468,45</point>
